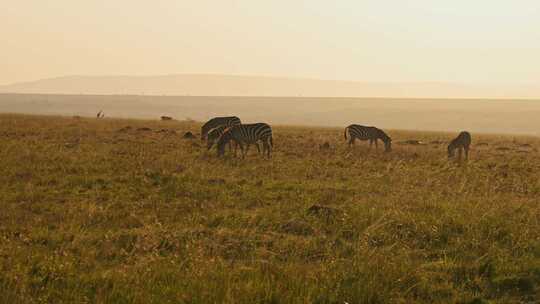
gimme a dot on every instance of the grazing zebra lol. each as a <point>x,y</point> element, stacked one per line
<point>247,134</point>
<point>368,133</point>
<point>218,121</point>
<point>462,143</point>
<point>214,135</point>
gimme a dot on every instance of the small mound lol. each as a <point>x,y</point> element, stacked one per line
<point>125,129</point>
<point>322,210</point>
<point>325,146</point>
<point>166,118</point>
<point>188,135</point>
<point>297,227</point>
<point>145,129</point>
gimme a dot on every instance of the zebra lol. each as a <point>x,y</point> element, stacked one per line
<point>368,133</point>
<point>214,135</point>
<point>462,143</point>
<point>247,134</point>
<point>218,121</point>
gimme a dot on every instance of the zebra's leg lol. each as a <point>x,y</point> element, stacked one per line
<point>370,143</point>
<point>376,146</point>
<point>351,142</point>
<point>460,151</point>
<point>467,153</point>
<point>269,147</point>
<point>241,149</point>
<point>259,148</point>
<point>265,148</point>
<point>247,150</point>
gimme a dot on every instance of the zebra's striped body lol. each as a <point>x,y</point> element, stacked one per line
<point>218,121</point>
<point>462,143</point>
<point>368,133</point>
<point>247,134</point>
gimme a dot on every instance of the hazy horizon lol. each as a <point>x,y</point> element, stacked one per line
<point>491,43</point>
<point>485,116</point>
<point>237,85</point>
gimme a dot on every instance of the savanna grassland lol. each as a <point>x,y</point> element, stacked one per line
<point>127,211</point>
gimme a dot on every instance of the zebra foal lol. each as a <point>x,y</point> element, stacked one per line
<point>462,143</point>
<point>247,134</point>
<point>368,133</point>
<point>217,122</point>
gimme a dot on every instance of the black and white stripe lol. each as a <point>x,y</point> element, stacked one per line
<point>462,143</point>
<point>247,134</point>
<point>218,121</point>
<point>368,133</point>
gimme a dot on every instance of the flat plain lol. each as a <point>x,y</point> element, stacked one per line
<point>128,211</point>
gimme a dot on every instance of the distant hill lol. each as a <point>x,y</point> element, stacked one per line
<point>228,85</point>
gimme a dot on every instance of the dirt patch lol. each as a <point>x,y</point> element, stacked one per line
<point>411,142</point>
<point>216,181</point>
<point>166,131</point>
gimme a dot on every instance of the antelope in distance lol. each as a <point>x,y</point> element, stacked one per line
<point>462,143</point>
<point>368,133</point>
<point>247,134</point>
<point>218,121</point>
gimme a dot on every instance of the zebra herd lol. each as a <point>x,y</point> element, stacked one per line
<point>223,131</point>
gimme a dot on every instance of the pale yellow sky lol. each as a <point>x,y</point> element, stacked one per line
<point>466,41</point>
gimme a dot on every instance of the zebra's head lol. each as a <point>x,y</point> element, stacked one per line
<point>222,141</point>
<point>212,137</point>
<point>388,145</point>
<point>204,131</point>
<point>387,142</point>
<point>451,150</point>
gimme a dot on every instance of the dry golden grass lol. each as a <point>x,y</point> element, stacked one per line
<point>95,212</point>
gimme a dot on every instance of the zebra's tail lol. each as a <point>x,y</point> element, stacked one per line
<point>345,133</point>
